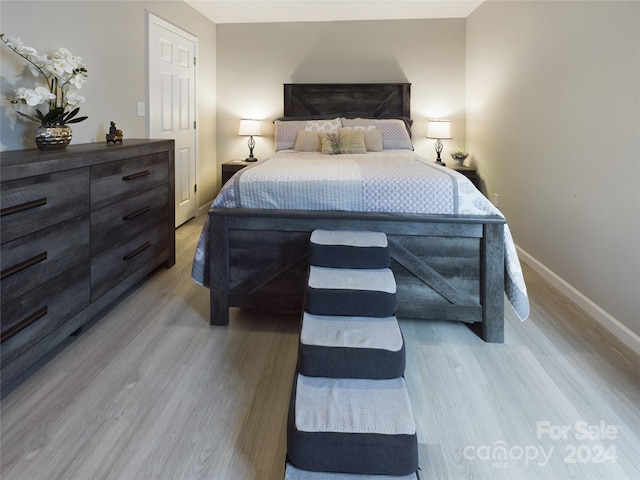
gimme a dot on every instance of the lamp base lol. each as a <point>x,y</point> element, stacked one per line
<point>438,152</point>
<point>440,162</point>
<point>251,158</point>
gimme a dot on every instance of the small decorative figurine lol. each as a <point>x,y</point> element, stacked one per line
<point>114,134</point>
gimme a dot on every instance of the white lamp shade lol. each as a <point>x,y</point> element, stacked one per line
<point>439,129</point>
<point>250,127</point>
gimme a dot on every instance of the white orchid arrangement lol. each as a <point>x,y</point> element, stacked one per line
<point>64,73</point>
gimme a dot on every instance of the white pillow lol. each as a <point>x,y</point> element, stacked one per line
<point>286,132</point>
<point>359,123</point>
<point>395,135</point>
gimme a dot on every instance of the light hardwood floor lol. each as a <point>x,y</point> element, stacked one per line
<point>151,391</point>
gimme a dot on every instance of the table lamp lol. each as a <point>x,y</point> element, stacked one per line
<point>250,128</point>
<point>439,129</point>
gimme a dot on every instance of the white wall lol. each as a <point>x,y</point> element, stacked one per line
<point>553,123</point>
<point>255,60</point>
<point>111,38</point>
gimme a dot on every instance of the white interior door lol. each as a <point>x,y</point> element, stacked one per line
<point>172,105</point>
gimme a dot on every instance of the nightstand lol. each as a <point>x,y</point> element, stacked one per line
<point>231,167</point>
<point>468,172</point>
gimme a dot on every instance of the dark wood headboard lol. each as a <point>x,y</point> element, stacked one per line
<point>367,100</point>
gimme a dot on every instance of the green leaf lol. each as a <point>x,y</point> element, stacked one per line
<point>53,116</point>
<point>33,119</point>
<point>76,120</point>
<point>71,114</point>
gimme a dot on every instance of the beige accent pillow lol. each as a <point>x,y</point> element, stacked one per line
<point>307,141</point>
<point>330,143</point>
<point>352,141</point>
<point>372,138</point>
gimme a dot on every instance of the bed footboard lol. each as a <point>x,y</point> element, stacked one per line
<point>447,267</point>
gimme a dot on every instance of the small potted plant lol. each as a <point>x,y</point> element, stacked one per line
<point>459,155</point>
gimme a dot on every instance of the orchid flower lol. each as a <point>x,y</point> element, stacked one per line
<point>63,72</point>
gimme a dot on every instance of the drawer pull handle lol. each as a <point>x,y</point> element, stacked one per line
<point>19,267</point>
<point>137,251</point>
<point>18,327</point>
<point>22,207</point>
<point>133,176</point>
<point>136,213</point>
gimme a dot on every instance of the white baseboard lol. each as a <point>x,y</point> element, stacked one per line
<point>205,208</point>
<point>608,321</point>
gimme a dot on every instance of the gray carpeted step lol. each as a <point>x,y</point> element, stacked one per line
<point>293,473</point>
<point>351,292</point>
<point>352,426</point>
<point>350,347</point>
<point>349,249</point>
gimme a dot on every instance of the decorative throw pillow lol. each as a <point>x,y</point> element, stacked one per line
<point>330,143</point>
<point>307,142</point>
<point>323,125</point>
<point>372,138</point>
<point>352,141</point>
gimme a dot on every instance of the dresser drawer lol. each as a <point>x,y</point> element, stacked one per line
<point>31,317</point>
<point>34,203</point>
<point>115,181</point>
<point>110,267</point>
<point>128,217</point>
<point>34,259</point>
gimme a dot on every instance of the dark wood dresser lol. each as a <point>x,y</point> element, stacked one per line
<point>78,228</point>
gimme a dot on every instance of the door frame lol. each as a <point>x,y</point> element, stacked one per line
<point>154,19</point>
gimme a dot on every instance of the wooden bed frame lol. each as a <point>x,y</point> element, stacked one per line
<point>447,267</point>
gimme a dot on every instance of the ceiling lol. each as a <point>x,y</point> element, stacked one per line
<point>269,11</point>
